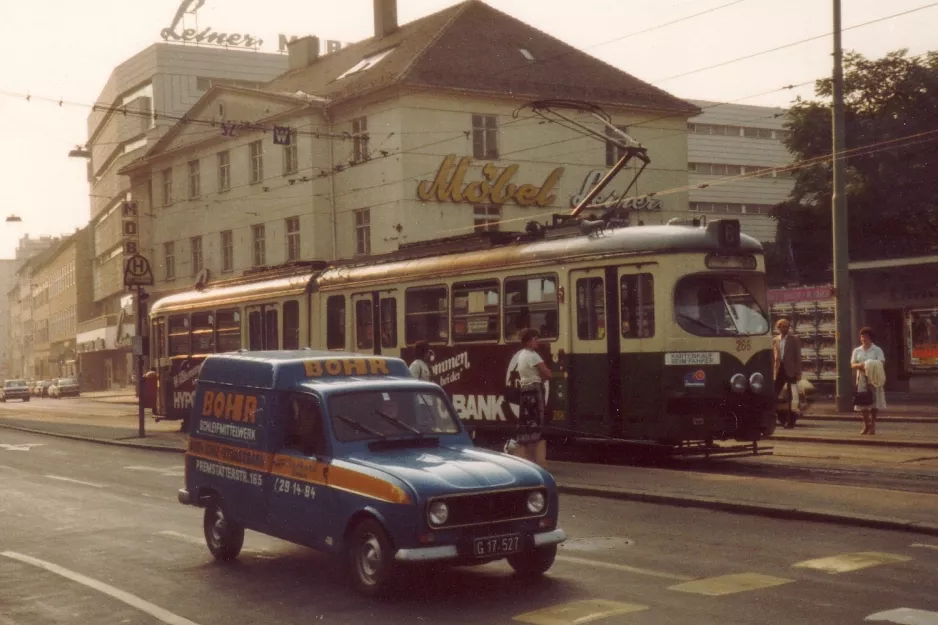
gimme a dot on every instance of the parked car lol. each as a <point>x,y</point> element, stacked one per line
<point>64,387</point>
<point>14,389</point>
<point>42,388</point>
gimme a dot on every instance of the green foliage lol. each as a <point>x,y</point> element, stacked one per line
<point>891,123</point>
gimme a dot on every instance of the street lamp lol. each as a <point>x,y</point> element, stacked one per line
<point>79,152</point>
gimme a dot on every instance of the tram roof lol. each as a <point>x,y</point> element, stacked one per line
<point>285,370</point>
<point>235,292</point>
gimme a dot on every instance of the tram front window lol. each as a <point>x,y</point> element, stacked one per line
<point>709,305</point>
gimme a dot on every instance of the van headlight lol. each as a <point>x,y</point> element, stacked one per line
<point>536,502</point>
<point>439,513</point>
<point>738,383</point>
<point>756,381</point>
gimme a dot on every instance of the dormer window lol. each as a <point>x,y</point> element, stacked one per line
<point>366,63</point>
<point>527,54</point>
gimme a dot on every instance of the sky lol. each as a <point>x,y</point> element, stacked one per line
<point>66,49</point>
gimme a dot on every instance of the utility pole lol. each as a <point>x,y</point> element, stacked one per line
<point>844,397</point>
<point>141,322</point>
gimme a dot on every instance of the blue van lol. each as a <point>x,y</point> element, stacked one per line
<point>352,456</point>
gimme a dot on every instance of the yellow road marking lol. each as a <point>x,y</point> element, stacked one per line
<point>578,612</point>
<point>924,546</point>
<point>623,568</point>
<point>847,562</point>
<point>730,584</point>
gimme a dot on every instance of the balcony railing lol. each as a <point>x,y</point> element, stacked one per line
<point>97,323</point>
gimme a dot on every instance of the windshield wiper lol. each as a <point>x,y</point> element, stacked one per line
<point>398,422</point>
<point>364,429</point>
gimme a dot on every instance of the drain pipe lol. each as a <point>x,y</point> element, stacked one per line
<point>335,227</point>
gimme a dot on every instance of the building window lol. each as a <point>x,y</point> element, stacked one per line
<point>731,208</point>
<point>167,186</point>
<point>169,259</point>
<point>485,218</point>
<point>227,251</point>
<point>293,238</point>
<point>196,246</point>
<point>195,180</point>
<point>613,151</point>
<point>290,155</point>
<point>363,231</point>
<point>258,234</point>
<point>257,162</point>
<point>360,139</point>
<point>224,171</point>
<point>485,136</point>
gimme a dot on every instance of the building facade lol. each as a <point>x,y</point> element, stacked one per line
<point>144,97</point>
<point>733,153</point>
<point>396,139</point>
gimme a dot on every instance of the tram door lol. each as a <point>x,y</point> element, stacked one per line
<point>375,315</point>
<point>640,346</point>
<point>263,327</point>
<point>594,376</point>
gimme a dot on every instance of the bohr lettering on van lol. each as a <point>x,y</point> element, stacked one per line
<point>230,406</point>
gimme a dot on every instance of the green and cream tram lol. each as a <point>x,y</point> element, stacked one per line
<point>654,333</point>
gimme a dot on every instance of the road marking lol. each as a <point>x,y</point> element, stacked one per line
<point>68,479</point>
<point>133,601</point>
<point>847,562</point>
<point>624,568</point>
<point>905,616</point>
<point>167,471</point>
<point>924,546</point>
<point>20,446</point>
<point>578,612</point>
<point>730,584</point>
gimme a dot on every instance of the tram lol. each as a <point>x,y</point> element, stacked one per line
<point>655,334</point>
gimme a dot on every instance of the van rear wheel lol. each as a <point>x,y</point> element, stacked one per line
<point>370,559</point>
<point>224,536</point>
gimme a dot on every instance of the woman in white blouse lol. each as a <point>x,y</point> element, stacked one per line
<point>868,351</point>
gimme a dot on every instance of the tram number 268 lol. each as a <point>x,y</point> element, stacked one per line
<point>743,345</point>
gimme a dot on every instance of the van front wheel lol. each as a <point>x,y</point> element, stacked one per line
<point>224,536</point>
<point>370,559</point>
<point>533,563</point>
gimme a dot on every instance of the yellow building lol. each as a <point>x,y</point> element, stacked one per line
<point>418,132</point>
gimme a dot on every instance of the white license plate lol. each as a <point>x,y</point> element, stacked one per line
<point>496,545</point>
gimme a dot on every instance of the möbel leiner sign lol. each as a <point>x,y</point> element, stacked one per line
<point>494,188</point>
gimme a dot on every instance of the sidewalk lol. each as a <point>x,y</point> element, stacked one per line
<point>127,395</point>
<point>763,496</point>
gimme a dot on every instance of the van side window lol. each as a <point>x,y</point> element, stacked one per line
<point>302,426</point>
<point>335,322</point>
<point>364,320</point>
<point>638,306</point>
<point>531,303</point>
<point>179,335</point>
<point>426,314</point>
<point>291,324</point>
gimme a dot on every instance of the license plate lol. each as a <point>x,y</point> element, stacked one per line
<point>496,545</point>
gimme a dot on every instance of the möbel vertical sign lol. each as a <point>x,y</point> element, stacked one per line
<point>130,229</point>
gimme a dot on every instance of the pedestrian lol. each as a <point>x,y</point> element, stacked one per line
<point>532,373</point>
<point>869,361</point>
<point>419,367</point>
<point>786,357</point>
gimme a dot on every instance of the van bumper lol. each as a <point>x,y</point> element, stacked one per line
<point>450,552</point>
<point>184,497</point>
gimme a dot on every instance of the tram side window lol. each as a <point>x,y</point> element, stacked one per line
<point>335,322</point>
<point>203,333</point>
<point>426,315</point>
<point>271,333</point>
<point>291,324</point>
<point>475,311</point>
<point>531,303</point>
<point>158,332</point>
<point>364,324</point>
<point>179,335</point>
<point>638,306</point>
<point>590,309</point>
<point>228,331</point>
<point>255,331</point>
<point>389,322</point>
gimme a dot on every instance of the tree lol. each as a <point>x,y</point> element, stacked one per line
<point>891,123</point>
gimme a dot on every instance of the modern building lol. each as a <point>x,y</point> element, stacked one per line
<point>418,132</point>
<point>143,98</point>
<point>734,152</point>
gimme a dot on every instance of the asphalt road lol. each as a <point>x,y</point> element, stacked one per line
<point>92,534</point>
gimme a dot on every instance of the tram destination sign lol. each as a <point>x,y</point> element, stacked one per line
<point>676,359</point>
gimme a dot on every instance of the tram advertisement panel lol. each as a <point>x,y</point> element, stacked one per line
<point>483,381</point>
<point>181,386</point>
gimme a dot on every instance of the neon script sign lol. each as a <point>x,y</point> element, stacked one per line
<point>206,35</point>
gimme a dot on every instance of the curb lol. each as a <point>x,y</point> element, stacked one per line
<point>870,442</point>
<point>844,418</point>
<point>752,509</point>
<point>99,441</point>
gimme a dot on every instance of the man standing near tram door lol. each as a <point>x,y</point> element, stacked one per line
<point>786,357</point>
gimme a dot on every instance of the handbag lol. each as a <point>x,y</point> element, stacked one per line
<point>863,398</point>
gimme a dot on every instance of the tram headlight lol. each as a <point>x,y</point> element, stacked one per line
<point>756,381</point>
<point>439,513</point>
<point>738,383</point>
<point>536,502</point>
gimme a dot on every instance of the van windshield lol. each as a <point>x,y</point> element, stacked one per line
<point>375,414</point>
<point>713,305</point>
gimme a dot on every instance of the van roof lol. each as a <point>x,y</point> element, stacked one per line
<point>286,370</point>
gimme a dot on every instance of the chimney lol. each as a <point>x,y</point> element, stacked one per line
<point>303,51</point>
<point>385,17</point>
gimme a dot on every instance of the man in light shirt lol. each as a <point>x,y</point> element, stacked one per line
<point>786,358</point>
<point>419,368</point>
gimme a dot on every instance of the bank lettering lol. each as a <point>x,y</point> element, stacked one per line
<point>479,407</point>
<point>449,185</point>
<point>230,406</point>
